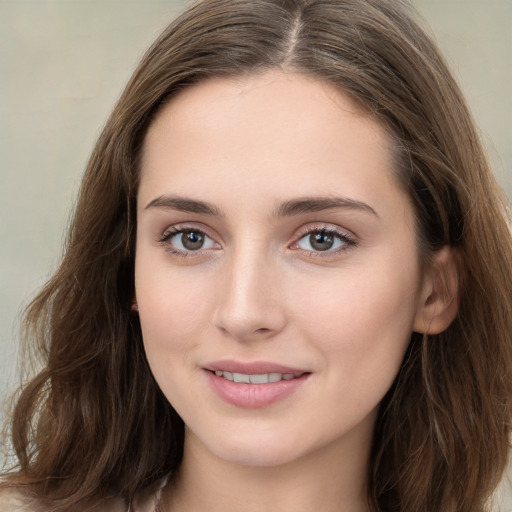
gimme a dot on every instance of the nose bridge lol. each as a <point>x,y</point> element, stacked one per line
<point>251,303</point>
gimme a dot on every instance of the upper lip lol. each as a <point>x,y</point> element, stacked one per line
<point>252,368</point>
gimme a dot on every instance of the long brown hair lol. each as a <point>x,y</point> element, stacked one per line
<point>93,423</point>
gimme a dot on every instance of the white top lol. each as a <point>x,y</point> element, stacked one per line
<point>12,500</point>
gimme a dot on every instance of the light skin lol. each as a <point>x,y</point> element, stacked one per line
<point>272,228</point>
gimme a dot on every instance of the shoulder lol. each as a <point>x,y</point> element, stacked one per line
<point>16,499</point>
<point>13,500</point>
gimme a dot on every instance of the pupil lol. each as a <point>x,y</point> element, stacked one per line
<point>321,241</point>
<point>192,240</point>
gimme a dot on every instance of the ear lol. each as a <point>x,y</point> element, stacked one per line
<point>135,306</point>
<point>439,300</point>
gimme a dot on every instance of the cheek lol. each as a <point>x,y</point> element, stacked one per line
<point>172,317</point>
<point>362,333</point>
<point>173,310</point>
<point>363,319</point>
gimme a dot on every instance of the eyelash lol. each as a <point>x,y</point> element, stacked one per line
<point>347,240</point>
<point>176,230</point>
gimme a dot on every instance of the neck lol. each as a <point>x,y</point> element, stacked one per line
<point>331,479</point>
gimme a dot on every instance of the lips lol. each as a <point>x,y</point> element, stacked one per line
<point>254,385</point>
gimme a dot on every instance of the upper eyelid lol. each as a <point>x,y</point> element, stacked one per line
<point>183,227</point>
<point>324,226</point>
<point>349,239</point>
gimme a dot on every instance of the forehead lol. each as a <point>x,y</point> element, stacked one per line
<point>266,137</point>
<point>299,101</point>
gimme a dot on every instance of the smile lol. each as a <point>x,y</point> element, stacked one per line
<point>259,378</point>
<point>254,385</point>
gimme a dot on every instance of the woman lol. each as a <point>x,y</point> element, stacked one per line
<point>286,284</point>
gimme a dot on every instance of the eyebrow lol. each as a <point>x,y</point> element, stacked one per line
<point>184,204</point>
<point>318,204</point>
<point>285,209</point>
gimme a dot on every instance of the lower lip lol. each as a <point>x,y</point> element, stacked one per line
<point>254,396</point>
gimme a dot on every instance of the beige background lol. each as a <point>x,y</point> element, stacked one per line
<point>63,63</point>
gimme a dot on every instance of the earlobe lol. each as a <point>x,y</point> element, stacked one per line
<point>135,306</point>
<point>439,301</point>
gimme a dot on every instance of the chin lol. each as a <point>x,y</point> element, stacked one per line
<point>256,456</point>
<point>257,450</point>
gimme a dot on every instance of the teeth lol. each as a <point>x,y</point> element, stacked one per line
<point>242,377</point>
<point>261,378</point>
<point>274,377</point>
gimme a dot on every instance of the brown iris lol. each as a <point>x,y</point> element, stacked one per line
<point>321,241</point>
<point>192,240</point>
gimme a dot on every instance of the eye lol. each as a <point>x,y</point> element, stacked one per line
<point>324,240</point>
<point>186,241</point>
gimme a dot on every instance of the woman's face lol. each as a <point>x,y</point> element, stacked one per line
<point>276,248</point>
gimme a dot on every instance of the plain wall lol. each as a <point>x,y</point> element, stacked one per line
<point>63,63</point>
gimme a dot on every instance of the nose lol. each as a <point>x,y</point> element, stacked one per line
<point>251,300</point>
